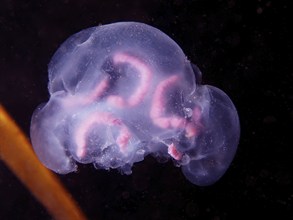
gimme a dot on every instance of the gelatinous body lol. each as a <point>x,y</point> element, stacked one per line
<point>122,91</point>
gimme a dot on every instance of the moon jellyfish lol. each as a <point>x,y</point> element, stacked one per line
<point>122,91</point>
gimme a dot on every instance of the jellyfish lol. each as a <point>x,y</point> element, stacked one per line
<point>122,91</point>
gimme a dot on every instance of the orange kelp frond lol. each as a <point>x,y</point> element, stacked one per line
<point>17,154</point>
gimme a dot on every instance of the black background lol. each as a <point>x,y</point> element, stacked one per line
<point>242,47</point>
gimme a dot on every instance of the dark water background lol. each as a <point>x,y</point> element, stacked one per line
<point>243,47</point>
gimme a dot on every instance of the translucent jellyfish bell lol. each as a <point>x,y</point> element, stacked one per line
<point>125,90</point>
